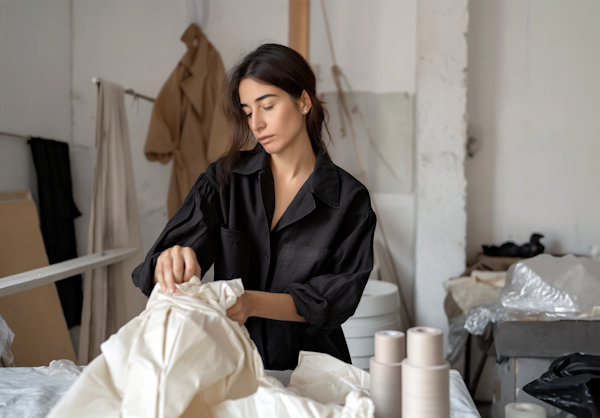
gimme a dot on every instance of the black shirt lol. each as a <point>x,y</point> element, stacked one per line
<point>320,251</point>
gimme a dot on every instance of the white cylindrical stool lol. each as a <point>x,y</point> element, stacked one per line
<point>524,410</point>
<point>377,310</point>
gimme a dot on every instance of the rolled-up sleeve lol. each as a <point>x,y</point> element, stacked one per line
<point>195,224</point>
<point>327,301</point>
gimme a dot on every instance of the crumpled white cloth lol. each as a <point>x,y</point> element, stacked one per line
<point>179,358</point>
<point>321,386</point>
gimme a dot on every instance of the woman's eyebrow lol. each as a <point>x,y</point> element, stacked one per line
<point>264,96</point>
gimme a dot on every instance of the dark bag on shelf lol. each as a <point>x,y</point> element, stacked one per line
<point>572,383</point>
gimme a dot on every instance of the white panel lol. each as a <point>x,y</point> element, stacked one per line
<point>441,137</point>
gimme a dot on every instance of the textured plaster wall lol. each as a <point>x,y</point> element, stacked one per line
<point>534,106</point>
<point>441,102</point>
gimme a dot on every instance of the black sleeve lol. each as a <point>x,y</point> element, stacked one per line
<point>327,301</point>
<point>195,224</point>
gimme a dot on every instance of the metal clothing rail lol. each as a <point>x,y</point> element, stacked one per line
<point>15,135</point>
<point>132,92</point>
<point>55,272</point>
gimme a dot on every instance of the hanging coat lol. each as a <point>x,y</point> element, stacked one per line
<point>187,124</point>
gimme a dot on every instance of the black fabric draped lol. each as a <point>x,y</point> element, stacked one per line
<point>57,215</point>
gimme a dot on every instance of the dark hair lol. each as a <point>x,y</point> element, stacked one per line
<point>281,67</point>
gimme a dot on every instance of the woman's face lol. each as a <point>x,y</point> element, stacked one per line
<point>277,120</point>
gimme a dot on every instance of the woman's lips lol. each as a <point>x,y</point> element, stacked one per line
<point>265,138</point>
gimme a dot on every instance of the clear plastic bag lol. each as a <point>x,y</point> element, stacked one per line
<point>457,340</point>
<point>64,368</point>
<point>543,288</point>
<point>554,285</point>
<point>6,339</point>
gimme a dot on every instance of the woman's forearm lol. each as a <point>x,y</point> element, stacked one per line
<point>278,306</point>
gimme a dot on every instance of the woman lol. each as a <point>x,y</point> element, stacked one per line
<point>296,229</point>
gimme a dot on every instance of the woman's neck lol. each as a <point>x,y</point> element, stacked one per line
<point>297,160</point>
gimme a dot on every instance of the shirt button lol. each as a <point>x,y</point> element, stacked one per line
<point>267,255</point>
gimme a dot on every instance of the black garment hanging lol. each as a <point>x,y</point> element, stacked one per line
<point>57,215</point>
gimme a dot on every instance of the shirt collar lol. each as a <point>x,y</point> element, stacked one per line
<point>324,181</point>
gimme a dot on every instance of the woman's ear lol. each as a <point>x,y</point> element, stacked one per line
<point>305,102</point>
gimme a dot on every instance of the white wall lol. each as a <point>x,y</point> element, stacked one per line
<point>34,84</point>
<point>137,44</point>
<point>534,103</point>
<point>375,46</point>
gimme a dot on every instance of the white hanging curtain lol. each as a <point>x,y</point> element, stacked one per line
<point>110,299</point>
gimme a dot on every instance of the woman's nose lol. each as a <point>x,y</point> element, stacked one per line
<point>256,122</point>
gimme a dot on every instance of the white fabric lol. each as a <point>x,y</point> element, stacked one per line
<point>320,387</point>
<point>30,392</point>
<point>182,357</point>
<point>110,299</point>
<point>478,288</point>
<point>178,358</point>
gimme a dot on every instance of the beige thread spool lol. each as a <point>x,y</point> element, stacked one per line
<point>524,410</point>
<point>425,375</point>
<point>425,346</point>
<point>386,374</point>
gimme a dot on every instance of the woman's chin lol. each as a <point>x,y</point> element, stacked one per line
<point>271,148</point>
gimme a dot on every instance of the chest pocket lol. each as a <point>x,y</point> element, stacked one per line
<point>297,264</point>
<point>233,258</point>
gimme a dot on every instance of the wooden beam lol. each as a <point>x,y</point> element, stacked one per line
<point>55,272</point>
<point>299,26</point>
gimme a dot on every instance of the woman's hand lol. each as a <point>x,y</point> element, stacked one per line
<point>242,309</point>
<point>176,265</point>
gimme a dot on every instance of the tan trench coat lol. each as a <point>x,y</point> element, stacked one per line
<point>187,124</point>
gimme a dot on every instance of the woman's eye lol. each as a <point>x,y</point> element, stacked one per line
<point>248,115</point>
<point>268,108</point>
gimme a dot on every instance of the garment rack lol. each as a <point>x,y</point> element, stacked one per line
<point>15,135</point>
<point>132,92</point>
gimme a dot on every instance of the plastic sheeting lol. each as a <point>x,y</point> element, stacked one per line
<point>6,339</point>
<point>31,392</point>
<point>543,288</point>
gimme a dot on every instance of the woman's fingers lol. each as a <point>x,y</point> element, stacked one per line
<point>159,276</point>
<point>168,274</point>
<point>235,309</point>
<point>174,266</point>
<point>177,257</point>
<point>237,313</point>
<point>191,264</point>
